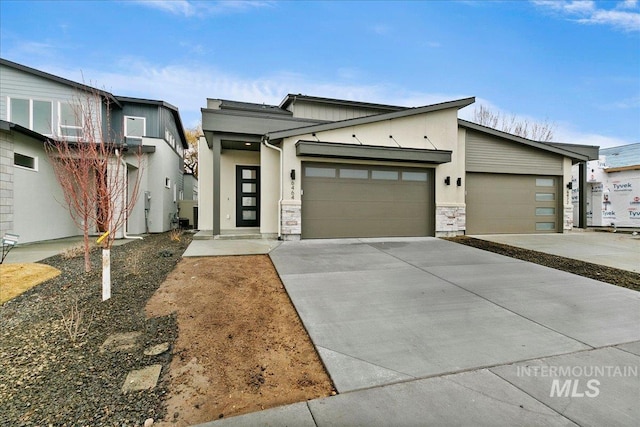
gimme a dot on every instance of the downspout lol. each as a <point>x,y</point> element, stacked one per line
<point>124,201</point>
<point>265,141</point>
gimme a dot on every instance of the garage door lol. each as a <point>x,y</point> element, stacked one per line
<point>505,203</point>
<point>343,200</point>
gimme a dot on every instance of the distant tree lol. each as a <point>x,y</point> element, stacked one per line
<point>191,153</point>
<point>536,131</point>
<point>89,165</point>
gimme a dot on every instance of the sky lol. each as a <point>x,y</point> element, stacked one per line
<point>574,64</point>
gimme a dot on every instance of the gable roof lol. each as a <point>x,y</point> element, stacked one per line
<point>573,151</point>
<point>57,79</point>
<point>405,112</point>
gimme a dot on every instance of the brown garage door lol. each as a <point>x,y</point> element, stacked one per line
<point>505,203</point>
<point>344,200</point>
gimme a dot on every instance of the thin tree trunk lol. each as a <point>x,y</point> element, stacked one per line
<point>106,274</point>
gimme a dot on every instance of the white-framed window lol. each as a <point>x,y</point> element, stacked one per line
<point>25,162</point>
<point>70,121</point>
<point>167,182</point>
<point>34,114</point>
<point>135,127</point>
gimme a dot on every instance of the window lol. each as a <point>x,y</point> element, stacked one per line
<point>25,161</point>
<point>354,173</point>
<point>20,112</point>
<point>414,176</point>
<point>320,172</point>
<point>385,175</point>
<point>545,211</point>
<point>71,121</point>
<point>32,114</point>
<point>545,182</point>
<point>545,226</point>
<point>545,197</point>
<point>167,182</point>
<point>134,127</point>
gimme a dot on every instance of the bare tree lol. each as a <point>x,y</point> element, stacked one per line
<point>91,169</point>
<point>537,131</point>
<point>191,153</point>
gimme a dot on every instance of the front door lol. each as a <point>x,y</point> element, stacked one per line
<point>247,196</point>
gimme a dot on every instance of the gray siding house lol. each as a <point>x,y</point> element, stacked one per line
<point>316,167</point>
<point>35,107</point>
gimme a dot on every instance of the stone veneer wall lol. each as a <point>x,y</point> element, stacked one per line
<point>291,220</point>
<point>450,220</point>
<point>6,183</point>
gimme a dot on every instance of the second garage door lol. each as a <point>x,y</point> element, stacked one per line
<point>344,200</point>
<point>507,203</point>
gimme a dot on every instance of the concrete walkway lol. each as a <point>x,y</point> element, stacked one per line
<point>425,331</point>
<point>215,247</point>
<point>37,251</point>
<point>617,250</point>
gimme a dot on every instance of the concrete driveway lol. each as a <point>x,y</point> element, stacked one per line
<point>618,250</point>
<point>422,330</point>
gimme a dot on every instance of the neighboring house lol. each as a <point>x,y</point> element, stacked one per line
<point>327,168</point>
<point>613,187</point>
<point>35,107</point>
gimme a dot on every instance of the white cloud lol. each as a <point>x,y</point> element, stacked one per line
<point>190,8</point>
<point>628,4</point>
<point>187,86</point>
<point>567,134</point>
<point>176,7</point>
<point>624,15</point>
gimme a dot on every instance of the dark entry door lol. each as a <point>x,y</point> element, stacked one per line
<point>247,196</point>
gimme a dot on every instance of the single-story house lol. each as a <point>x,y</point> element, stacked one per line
<point>328,168</point>
<point>36,107</point>
<point>613,187</point>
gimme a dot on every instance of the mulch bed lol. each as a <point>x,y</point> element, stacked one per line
<point>48,378</point>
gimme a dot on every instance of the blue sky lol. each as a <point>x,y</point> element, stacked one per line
<point>576,64</point>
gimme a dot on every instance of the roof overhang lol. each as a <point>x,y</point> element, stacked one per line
<point>13,127</point>
<point>371,152</point>
<point>460,103</point>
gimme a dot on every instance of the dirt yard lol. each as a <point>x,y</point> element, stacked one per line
<point>241,346</point>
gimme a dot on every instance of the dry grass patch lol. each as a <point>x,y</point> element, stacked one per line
<point>18,278</point>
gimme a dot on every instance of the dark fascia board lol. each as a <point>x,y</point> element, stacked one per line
<point>553,148</point>
<point>372,152</point>
<point>259,114</point>
<point>592,151</point>
<point>251,106</point>
<point>10,126</point>
<point>164,104</point>
<point>460,103</point>
<point>292,98</point>
<point>76,85</point>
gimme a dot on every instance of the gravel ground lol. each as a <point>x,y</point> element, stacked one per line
<point>47,378</point>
